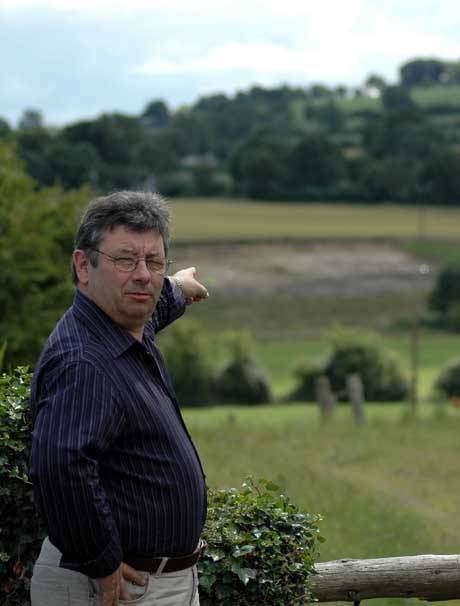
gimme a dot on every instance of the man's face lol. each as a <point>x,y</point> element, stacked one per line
<point>129,298</point>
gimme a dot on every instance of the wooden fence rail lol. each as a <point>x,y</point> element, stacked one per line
<point>428,577</point>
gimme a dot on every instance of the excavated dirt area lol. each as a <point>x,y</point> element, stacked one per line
<point>306,270</point>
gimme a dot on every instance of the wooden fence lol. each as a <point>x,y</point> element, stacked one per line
<point>427,577</point>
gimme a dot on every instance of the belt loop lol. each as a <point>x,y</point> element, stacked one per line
<point>162,565</point>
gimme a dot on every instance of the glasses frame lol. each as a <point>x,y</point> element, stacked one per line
<point>168,263</point>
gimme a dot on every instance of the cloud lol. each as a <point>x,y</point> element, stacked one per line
<point>80,57</point>
<point>262,57</point>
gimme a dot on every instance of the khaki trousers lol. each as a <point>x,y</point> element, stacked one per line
<point>55,586</point>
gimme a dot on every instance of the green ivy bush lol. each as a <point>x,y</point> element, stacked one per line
<point>21,530</point>
<point>448,382</point>
<point>261,548</point>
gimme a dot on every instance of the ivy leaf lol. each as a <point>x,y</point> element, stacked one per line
<point>244,574</point>
<point>243,550</point>
<point>215,554</point>
<point>207,581</point>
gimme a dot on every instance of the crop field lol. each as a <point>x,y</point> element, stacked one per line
<point>220,220</point>
<point>385,489</point>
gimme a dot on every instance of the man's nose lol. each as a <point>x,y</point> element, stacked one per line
<point>141,273</point>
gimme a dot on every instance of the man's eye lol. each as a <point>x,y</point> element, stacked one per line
<point>155,263</point>
<point>125,261</point>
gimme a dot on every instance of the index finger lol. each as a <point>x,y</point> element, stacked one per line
<point>131,574</point>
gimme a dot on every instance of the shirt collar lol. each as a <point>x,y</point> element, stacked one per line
<point>115,337</point>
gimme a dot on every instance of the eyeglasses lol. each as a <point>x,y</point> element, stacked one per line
<point>128,264</point>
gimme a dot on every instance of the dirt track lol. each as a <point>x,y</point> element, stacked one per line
<point>302,270</point>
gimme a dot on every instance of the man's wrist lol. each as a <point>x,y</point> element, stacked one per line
<point>177,282</point>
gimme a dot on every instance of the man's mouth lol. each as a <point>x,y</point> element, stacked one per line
<point>140,296</point>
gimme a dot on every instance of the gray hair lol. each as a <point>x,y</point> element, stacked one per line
<point>137,210</point>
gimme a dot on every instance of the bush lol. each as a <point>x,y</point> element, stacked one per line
<point>21,530</point>
<point>177,183</point>
<point>380,374</point>
<point>449,380</point>
<point>242,381</point>
<point>445,296</point>
<point>261,548</point>
<point>355,353</point>
<point>307,376</point>
<point>187,355</point>
<point>453,316</point>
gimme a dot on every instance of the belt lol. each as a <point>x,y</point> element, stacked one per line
<point>165,564</point>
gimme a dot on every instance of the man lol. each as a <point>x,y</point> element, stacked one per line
<point>116,476</point>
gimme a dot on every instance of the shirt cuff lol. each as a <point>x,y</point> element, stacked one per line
<point>177,289</point>
<point>104,565</point>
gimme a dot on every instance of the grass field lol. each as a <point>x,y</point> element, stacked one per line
<point>385,489</point>
<point>216,220</point>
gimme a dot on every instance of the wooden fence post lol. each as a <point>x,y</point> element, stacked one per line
<point>355,392</point>
<point>325,397</point>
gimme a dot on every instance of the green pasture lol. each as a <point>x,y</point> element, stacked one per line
<point>424,96</point>
<point>386,489</point>
<point>280,358</point>
<point>428,96</point>
<point>198,220</point>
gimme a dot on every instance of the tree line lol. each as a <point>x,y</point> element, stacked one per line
<point>282,143</point>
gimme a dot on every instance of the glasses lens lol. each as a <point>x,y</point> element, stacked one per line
<point>156,266</point>
<point>125,264</point>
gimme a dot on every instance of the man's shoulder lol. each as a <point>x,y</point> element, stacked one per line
<point>69,343</point>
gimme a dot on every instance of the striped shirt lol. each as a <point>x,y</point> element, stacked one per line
<point>114,468</point>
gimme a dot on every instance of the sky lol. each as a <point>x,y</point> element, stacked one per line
<point>76,59</point>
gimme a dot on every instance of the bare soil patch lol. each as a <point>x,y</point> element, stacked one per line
<point>306,270</point>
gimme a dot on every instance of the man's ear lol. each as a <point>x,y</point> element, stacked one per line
<point>80,262</point>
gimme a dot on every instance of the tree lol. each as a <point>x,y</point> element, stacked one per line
<point>441,176</point>
<point>330,115</point>
<point>315,161</point>
<point>35,245</point>
<point>156,115</point>
<point>33,145</point>
<point>115,138</point>
<point>261,168</point>
<point>397,98</point>
<point>420,72</point>
<point>453,73</point>
<point>319,91</point>
<point>5,128</point>
<point>375,82</point>
<point>31,119</point>
<point>74,164</point>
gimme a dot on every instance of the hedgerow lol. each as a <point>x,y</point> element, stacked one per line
<point>21,530</point>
